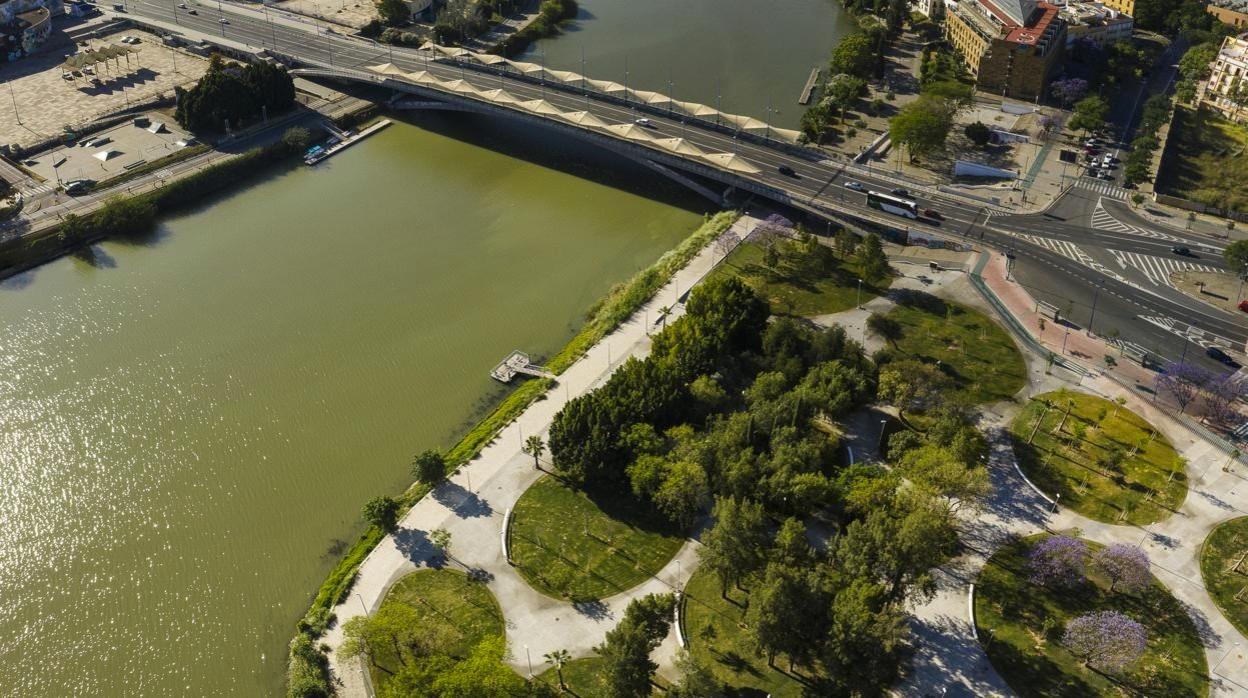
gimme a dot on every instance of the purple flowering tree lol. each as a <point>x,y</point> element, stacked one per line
<point>1125,565</point>
<point>1108,640</point>
<point>1069,91</point>
<point>1184,382</point>
<point>1220,397</point>
<point>1058,561</point>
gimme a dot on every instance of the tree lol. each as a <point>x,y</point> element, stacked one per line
<point>1069,91</point>
<point>394,12</point>
<point>1236,256</point>
<point>846,242</point>
<point>396,627</point>
<point>1125,565</point>
<point>534,446</point>
<point>481,675</point>
<point>865,635</point>
<point>1090,114</point>
<point>297,139</point>
<point>779,615</point>
<point>978,133</point>
<point>736,544</point>
<point>842,91</point>
<point>884,327</point>
<point>429,467</point>
<point>854,55</point>
<point>441,540</point>
<point>897,546</point>
<point>696,680</point>
<point>938,471</point>
<point>226,94</point>
<point>683,493</point>
<point>872,259</point>
<point>558,658</point>
<point>1107,640</point>
<point>1196,63</point>
<point>911,384</point>
<point>922,126</point>
<point>625,652</point>
<point>1183,381</point>
<point>814,122</point>
<point>1058,561</point>
<point>382,512</point>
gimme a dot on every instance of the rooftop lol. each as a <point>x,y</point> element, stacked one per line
<point>1237,5</point>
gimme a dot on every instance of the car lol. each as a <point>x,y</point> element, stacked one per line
<point>119,8</point>
<point>77,186</point>
<point>1105,174</point>
<point>182,5</point>
<point>192,12</point>
<point>223,20</point>
<point>88,70</point>
<point>1220,356</point>
<point>1243,305</point>
<point>787,171</point>
<point>644,122</point>
<point>1110,158</point>
<point>900,192</point>
<point>1181,251</point>
<point>66,75</point>
<point>933,213</point>
<point>1092,142</point>
<point>856,186</point>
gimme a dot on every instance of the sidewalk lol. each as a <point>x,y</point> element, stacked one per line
<point>472,505</point>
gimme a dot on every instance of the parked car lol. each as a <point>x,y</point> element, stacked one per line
<point>1181,251</point>
<point>933,214</point>
<point>856,186</point>
<point>787,171</point>
<point>1218,355</point>
<point>1243,305</point>
<point>1092,142</point>
<point>118,7</point>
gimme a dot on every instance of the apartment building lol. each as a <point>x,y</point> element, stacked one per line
<point>1012,47</point>
<point>1095,22</point>
<point>1228,78</point>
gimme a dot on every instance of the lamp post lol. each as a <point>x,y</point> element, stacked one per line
<point>859,294</point>
<point>19,116</point>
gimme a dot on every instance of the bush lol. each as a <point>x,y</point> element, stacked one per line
<point>307,670</point>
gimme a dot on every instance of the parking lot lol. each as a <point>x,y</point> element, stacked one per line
<point>112,152</point>
<point>43,103</point>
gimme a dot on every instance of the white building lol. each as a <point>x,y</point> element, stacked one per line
<point>1228,74</point>
<point>1095,22</point>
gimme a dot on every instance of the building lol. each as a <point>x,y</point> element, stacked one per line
<point>1012,47</point>
<point>1095,22</point>
<point>1232,12</point>
<point>1126,7</point>
<point>1228,77</point>
<point>25,25</point>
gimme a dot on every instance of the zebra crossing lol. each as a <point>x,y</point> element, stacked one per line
<point>31,190</point>
<point>1156,269</point>
<point>1069,250</point>
<point>1104,220</point>
<point>1103,188</point>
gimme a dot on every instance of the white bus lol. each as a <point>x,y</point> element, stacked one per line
<point>892,204</point>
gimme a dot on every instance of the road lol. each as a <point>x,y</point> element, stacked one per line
<point>1087,251</point>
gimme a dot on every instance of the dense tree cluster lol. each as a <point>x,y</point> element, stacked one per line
<point>227,94</point>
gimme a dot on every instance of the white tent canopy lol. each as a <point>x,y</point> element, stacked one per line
<point>387,69</point>
<point>584,118</point>
<point>695,109</point>
<point>539,106</point>
<point>605,86</point>
<point>679,146</point>
<point>731,161</point>
<point>630,131</point>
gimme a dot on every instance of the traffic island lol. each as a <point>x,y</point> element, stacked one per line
<point>1026,629</point>
<point>1098,458</point>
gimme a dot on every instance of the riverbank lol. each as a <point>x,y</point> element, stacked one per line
<point>616,308</point>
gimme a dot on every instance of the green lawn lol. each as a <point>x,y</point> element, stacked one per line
<point>570,546</point>
<point>791,290</point>
<point>1011,615</point>
<point>972,349</point>
<point>1209,163</point>
<point>448,598</point>
<point>729,651</point>
<point>583,678</point>
<point>1147,485</point>
<point>1225,545</point>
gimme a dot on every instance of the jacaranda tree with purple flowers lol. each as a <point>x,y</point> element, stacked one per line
<point>1125,565</point>
<point>1058,561</point>
<point>1183,381</point>
<point>1108,641</point>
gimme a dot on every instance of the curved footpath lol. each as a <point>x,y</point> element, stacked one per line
<point>949,659</point>
<point>471,505</point>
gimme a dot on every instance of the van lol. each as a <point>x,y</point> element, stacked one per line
<point>118,7</point>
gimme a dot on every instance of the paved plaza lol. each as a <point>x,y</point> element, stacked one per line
<point>41,103</point>
<point>108,153</point>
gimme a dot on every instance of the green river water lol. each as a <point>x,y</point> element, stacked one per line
<point>189,424</point>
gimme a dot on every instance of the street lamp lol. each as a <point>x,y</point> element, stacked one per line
<point>860,294</point>
<point>1057,499</point>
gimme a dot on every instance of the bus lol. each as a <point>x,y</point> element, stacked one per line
<point>892,204</point>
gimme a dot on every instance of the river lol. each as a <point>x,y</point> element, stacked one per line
<point>189,425</point>
<point>748,57</point>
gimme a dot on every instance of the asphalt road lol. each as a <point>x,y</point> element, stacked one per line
<point>1084,251</point>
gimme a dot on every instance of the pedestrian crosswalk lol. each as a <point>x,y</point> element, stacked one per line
<point>30,189</point>
<point>1066,249</point>
<point>1104,220</point>
<point>1156,269</point>
<point>1104,188</point>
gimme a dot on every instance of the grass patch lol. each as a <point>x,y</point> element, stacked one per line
<point>1021,625</point>
<point>728,650</point>
<point>1226,543</point>
<point>624,299</point>
<point>1146,484</point>
<point>583,677</point>
<point>792,290</point>
<point>1208,162</point>
<point>571,546</point>
<point>973,350</point>
<point>465,610</point>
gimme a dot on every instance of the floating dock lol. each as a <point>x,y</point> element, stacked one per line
<point>809,90</point>
<point>518,362</point>
<point>340,142</point>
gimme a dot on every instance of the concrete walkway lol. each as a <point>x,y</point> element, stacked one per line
<point>472,504</point>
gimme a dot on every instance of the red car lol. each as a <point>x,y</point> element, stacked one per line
<point>1243,305</point>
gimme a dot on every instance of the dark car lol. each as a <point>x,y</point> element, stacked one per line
<point>1181,251</point>
<point>933,214</point>
<point>1218,355</point>
<point>787,171</point>
<point>1243,305</point>
<point>900,192</point>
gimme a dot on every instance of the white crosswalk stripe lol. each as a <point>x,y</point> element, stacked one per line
<point>1103,188</point>
<point>164,174</point>
<point>1104,220</point>
<point>1066,249</point>
<point>33,190</point>
<point>1156,269</point>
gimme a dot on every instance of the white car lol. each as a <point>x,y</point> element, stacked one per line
<point>223,20</point>
<point>856,186</point>
<point>644,122</point>
<point>182,5</point>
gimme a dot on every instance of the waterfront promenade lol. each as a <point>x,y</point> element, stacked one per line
<point>472,504</point>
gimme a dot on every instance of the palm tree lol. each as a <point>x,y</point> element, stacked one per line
<point>534,446</point>
<point>558,658</point>
<point>663,313</point>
